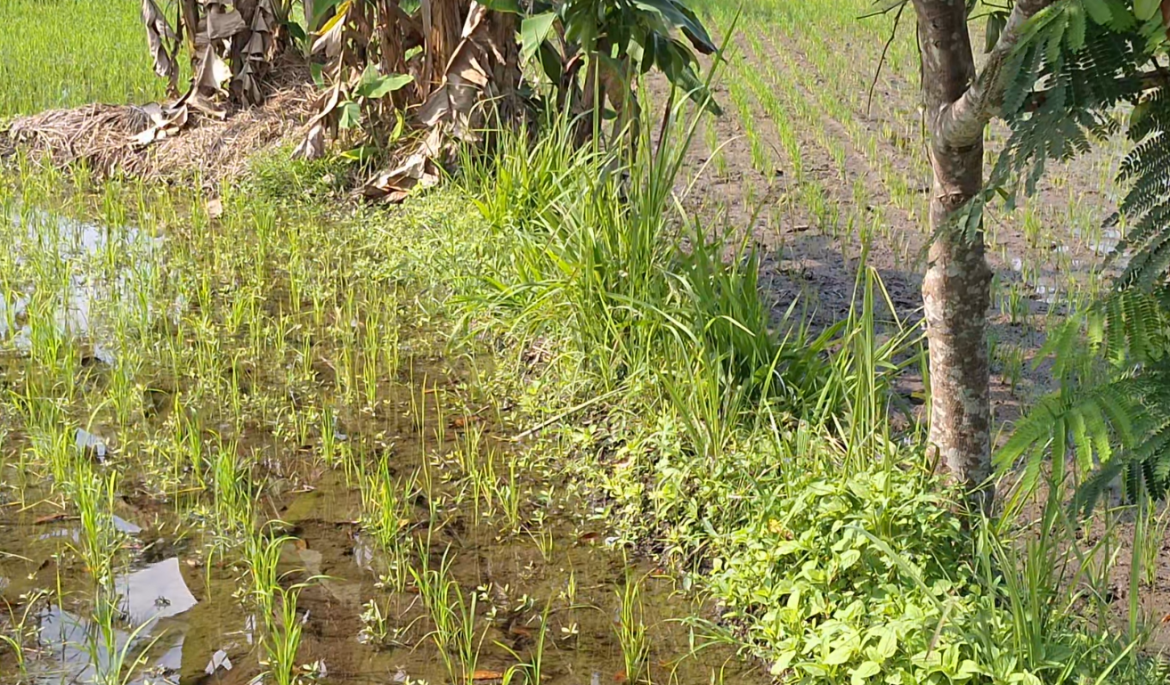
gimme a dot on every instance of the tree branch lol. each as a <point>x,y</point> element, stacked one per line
<point>961,123</point>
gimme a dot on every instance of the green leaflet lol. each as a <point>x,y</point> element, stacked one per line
<point>374,86</point>
<point>1145,10</point>
<point>533,32</point>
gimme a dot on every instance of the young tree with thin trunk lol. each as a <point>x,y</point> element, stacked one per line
<point>1057,72</point>
<point>960,101</point>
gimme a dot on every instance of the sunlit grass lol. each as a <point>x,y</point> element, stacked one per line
<point>73,52</point>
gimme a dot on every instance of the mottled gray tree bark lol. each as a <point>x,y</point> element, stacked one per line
<point>960,101</point>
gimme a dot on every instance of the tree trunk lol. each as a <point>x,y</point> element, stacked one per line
<point>956,290</point>
<point>956,295</point>
<point>959,103</point>
<point>506,74</point>
<point>393,55</point>
<point>442,26</point>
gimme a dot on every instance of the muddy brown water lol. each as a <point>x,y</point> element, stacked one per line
<point>188,614</point>
<point>196,621</point>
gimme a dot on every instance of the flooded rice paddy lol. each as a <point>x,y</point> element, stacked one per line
<point>237,447</point>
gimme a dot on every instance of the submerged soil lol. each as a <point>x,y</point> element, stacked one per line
<point>182,582</point>
<point>195,619</point>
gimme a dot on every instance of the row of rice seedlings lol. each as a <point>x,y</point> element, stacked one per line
<point>210,350</point>
<point>743,106</point>
<point>456,631</point>
<point>847,118</point>
<point>418,412</point>
<point>489,491</point>
<point>849,113</point>
<point>1039,218</point>
<point>479,479</point>
<point>276,605</point>
<point>812,116</point>
<point>387,512</point>
<point>508,494</point>
<point>789,142</point>
<point>781,103</point>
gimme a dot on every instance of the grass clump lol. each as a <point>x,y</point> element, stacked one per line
<point>591,261</point>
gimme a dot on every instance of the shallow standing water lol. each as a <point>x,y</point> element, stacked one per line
<point>273,365</point>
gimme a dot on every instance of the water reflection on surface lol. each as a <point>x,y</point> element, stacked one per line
<point>147,598</point>
<point>78,291</point>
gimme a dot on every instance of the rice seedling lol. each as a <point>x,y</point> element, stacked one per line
<point>19,634</point>
<point>282,636</point>
<point>329,437</point>
<point>479,472</point>
<point>1151,540</point>
<point>531,670</point>
<point>230,477</point>
<point>376,625</point>
<point>387,513</point>
<point>95,495</point>
<point>1011,357</point>
<point>456,630</point>
<point>113,659</point>
<point>544,540</point>
<point>262,556</point>
<point>275,605</point>
<point>507,491</point>
<point>630,630</point>
<point>370,353</point>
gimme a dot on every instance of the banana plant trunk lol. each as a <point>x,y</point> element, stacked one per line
<point>442,26</point>
<point>393,55</point>
<point>960,102</point>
